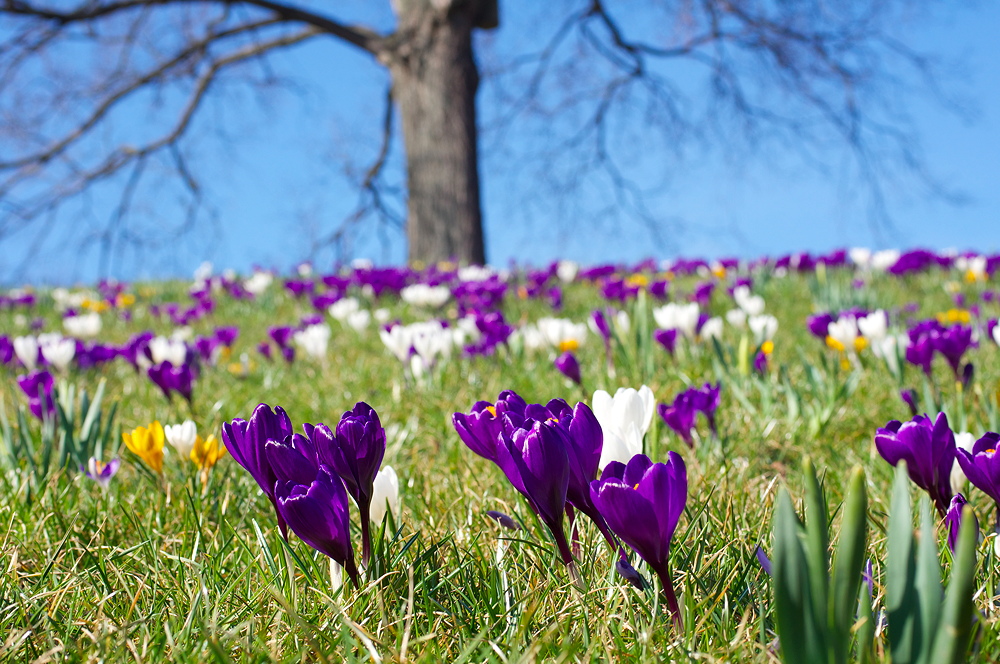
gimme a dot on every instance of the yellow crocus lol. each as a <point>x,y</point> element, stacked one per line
<point>207,451</point>
<point>147,444</point>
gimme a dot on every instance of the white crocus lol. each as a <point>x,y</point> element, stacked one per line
<point>397,340</point>
<point>163,349</point>
<point>258,282</point>
<point>562,333</point>
<point>748,302</point>
<point>883,260</point>
<point>26,349</point>
<point>996,334</point>
<point>737,318</point>
<point>860,256</point>
<point>566,271</point>
<point>622,323</point>
<point>58,351</point>
<point>624,418</point>
<point>359,320</point>
<point>385,495</point>
<point>763,327</point>
<point>344,307</point>
<point>83,325</point>
<point>681,317</point>
<point>964,440</point>
<point>874,326</point>
<point>422,295</point>
<point>314,339</point>
<point>844,331</point>
<point>182,437</point>
<point>712,329</point>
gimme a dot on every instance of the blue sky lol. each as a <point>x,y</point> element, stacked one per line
<point>276,188</point>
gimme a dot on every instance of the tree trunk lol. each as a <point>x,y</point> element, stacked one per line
<point>434,79</point>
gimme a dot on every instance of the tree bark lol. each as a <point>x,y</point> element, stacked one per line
<point>434,81</point>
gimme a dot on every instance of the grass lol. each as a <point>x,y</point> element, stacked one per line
<point>170,569</point>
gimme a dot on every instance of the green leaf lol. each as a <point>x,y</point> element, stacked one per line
<point>791,585</point>
<point>951,642</point>
<point>848,564</point>
<point>901,601</point>
<point>817,550</point>
<point>928,580</point>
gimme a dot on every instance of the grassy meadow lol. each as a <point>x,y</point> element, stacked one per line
<point>186,566</point>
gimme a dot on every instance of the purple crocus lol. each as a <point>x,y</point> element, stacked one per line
<point>101,472</point>
<point>667,339</point>
<point>568,366</point>
<point>584,444</point>
<point>173,379</point>
<point>819,324</point>
<point>680,417</point>
<point>355,453</point>
<point>953,518</point>
<point>982,465</point>
<point>536,462</point>
<point>38,386</point>
<point>953,343</point>
<point>480,428</point>
<point>929,451</point>
<point>909,397</point>
<point>642,503</point>
<point>318,512</point>
<point>246,441</point>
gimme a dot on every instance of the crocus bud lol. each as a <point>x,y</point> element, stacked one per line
<point>182,437</point>
<point>569,367</point>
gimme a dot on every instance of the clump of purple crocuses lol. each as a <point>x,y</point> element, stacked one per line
<point>681,415</point>
<point>308,477</point>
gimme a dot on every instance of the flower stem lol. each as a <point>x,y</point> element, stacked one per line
<point>366,533</point>
<point>668,592</point>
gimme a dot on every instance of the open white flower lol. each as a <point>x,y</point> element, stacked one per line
<point>748,302</point>
<point>83,325</point>
<point>182,437</point>
<point>681,317</point>
<point>562,333</point>
<point>566,271</point>
<point>314,339</point>
<point>385,495</point>
<point>624,418</point>
<point>163,349</point>
<point>874,326</point>
<point>844,331</point>
<point>737,318</point>
<point>258,282</point>
<point>344,307</point>
<point>763,327</point>
<point>422,295</point>
<point>58,351</point>
<point>359,320</point>
<point>26,349</point>
<point>712,329</point>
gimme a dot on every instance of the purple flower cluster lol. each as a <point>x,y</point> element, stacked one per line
<point>681,414</point>
<point>550,453</point>
<point>929,450</point>
<point>38,386</point>
<point>929,337</point>
<point>308,477</point>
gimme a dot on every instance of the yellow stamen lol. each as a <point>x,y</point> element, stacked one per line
<point>834,343</point>
<point>767,347</point>
<point>860,344</point>
<point>568,345</point>
<point>639,280</point>
<point>719,272</point>
<point>522,292</point>
<point>492,410</point>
